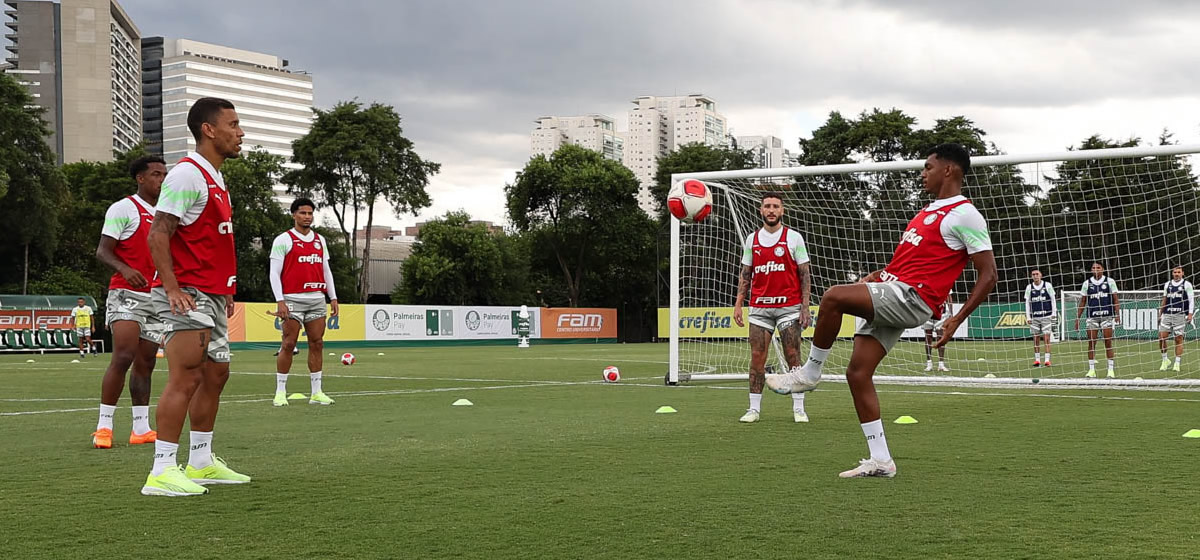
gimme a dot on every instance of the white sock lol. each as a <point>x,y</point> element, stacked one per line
<point>1177,358</point>
<point>106,416</point>
<point>164,456</point>
<point>928,363</point>
<point>200,454</point>
<point>1091,364</point>
<point>1037,356</point>
<point>281,382</point>
<point>816,358</point>
<point>1164,355</point>
<point>1110,364</point>
<point>876,442</point>
<point>1047,356</point>
<point>756,402</point>
<point>141,419</point>
<point>797,402</point>
<point>315,379</point>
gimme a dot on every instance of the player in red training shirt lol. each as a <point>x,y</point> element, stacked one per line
<point>301,278</point>
<point>135,328</point>
<point>933,251</point>
<point>776,275</point>
<point>191,242</point>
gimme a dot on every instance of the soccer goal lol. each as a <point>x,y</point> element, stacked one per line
<point>1132,209</point>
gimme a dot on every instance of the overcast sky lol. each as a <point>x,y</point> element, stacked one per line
<point>468,77</point>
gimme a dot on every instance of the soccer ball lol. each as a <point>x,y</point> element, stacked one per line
<point>690,201</point>
<point>347,359</point>
<point>612,374</point>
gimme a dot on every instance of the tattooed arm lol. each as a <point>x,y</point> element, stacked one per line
<point>743,288</point>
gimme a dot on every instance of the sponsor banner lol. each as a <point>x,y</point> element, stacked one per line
<point>578,322</point>
<point>408,322</point>
<point>50,319</point>
<point>490,322</point>
<point>717,322</point>
<point>260,325</point>
<point>1139,319</point>
<point>421,322</point>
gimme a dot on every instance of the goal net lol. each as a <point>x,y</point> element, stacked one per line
<point>1132,209</point>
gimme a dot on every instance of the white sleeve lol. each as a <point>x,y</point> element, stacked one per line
<point>1083,289</point>
<point>747,250</point>
<point>184,194</point>
<point>279,250</point>
<point>1191,296</point>
<point>1166,288</point>
<point>796,244</point>
<point>121,220</point>
<point>329,288</point>
<point>276,278</point>
<point>965,227</point>
<point>1112,285</point>
<point>1053,299</point>
<point>1028,304</point>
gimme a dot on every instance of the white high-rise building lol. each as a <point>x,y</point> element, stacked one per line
<point>274,104</point>
<point>660,125</point>
<point>594,132</point>
<point>768,151</point>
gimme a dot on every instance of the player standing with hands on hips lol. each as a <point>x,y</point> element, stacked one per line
<point>933,251</point>
<point>777,276</point>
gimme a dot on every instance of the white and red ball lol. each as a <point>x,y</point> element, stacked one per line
<point>690,200</point>
<point>612,374</point>
<point>348,359</point>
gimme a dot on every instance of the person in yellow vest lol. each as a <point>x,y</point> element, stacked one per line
<point>81,321</point>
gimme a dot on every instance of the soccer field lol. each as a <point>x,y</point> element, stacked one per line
<point>552,463</point>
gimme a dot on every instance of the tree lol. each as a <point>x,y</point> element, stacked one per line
<point>588,240</point>
<point>31,187</point>
<point>458,262</point>
<point>257,218</point>
<point>353,157</point>
<point>92,186</point>
<point>694,158</point>
<point>1104,205</point>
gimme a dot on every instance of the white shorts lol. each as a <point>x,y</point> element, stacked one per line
<point>303,309</point>
<point>1174,323</point>
<point>772,318</point>
<point>1041,325</point>
<point>83,331</point>
<point>1101,323</point>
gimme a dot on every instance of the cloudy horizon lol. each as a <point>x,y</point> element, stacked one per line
<point>469,77</point>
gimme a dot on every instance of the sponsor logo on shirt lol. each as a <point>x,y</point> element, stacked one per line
<point>311,259</point>
<point>769,268</point>
<point>911,236</point>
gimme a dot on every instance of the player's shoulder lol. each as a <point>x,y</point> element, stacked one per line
<point>184,175</point>
<point>794,236</point>
<point>123,204</point>
<point>283,238</point>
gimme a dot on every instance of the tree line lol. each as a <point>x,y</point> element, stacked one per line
<point>576,236</point>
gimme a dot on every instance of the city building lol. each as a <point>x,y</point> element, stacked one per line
<point>594,132</point>
<point>660,125</point>
<point>274,104</point>
<point>80,61</point>
<point>768,151</point>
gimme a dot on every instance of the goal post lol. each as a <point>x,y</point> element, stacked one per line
<point>1132,209</point>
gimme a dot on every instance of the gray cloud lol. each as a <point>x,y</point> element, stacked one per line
<point>469,76</point>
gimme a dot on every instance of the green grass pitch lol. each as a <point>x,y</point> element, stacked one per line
<point>552,463</point>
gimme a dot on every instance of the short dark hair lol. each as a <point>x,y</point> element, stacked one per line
<point>143,163</point>
<point>954,153</point>
<point>204,110</point>
<point>771,194</point>
<point>296,204</point>
<point>1094,263</point>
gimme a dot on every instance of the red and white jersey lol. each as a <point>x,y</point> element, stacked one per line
<point>300,266</point>
<point>934,248</point>
<point>128,221</point>
<point>774,258</point>
<point>304,265</point>
<point>202,249</point>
